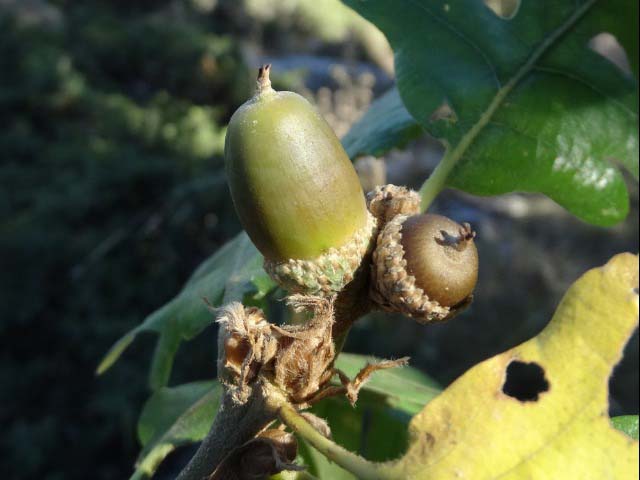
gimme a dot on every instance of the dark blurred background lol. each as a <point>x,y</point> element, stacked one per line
<point>112,121</point>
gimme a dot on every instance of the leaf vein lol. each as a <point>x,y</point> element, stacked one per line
<point>576,78</point>
<point>438,178</point>
<point>463,37</point>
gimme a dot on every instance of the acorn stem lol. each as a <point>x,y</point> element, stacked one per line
<point>263,82</point>
<point>351,462</point>
<point>437,180</point>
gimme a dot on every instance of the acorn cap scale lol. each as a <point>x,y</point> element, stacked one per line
<point>293,186</point>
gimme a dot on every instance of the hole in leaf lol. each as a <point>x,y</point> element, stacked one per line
<point>525,381</point>
<point>444,112</point>
<point>506,9</point>
<point>608,46</point>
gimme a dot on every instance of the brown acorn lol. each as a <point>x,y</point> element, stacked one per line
<point>425,266</point>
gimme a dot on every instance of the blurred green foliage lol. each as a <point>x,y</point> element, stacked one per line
<point>111,139</point>
<point>112,122</point>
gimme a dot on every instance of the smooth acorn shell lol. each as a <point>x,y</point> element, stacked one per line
<point>446,270</point>
<point>293,185</point>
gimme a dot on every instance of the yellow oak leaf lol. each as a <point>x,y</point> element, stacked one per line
<point>539,410</point>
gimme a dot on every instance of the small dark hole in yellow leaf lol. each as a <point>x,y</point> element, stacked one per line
<point>525,381</point>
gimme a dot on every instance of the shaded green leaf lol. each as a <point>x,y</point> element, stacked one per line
<point>627,424</point>
<point>114,352</point>
<point>385,125</point>
<point>173,417</point>
<point>230,274</point>
<point>524,104</point>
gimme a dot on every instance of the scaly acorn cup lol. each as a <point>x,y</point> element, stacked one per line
<point>386,201</point>
<point>424,266</point>
<point>296,192</point>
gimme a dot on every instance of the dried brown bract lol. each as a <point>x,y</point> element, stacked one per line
<point>245,346</point>
<point>296,359</point>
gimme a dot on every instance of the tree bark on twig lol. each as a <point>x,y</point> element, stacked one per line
<point>234,425</point>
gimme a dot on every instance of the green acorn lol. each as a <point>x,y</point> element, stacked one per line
<point>296,191</point>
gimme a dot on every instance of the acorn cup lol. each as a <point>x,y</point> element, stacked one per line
<point>424,266</point>
<point>296,192</point>
<point>386,201</point>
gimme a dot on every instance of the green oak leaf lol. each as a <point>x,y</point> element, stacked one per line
<point>523,103</point>
<point>385,125</point>
<point>230,274</point>
<point>173,417</point>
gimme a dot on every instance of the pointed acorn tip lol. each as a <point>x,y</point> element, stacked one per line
<point>264,83</point>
